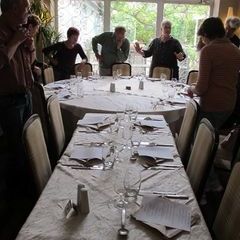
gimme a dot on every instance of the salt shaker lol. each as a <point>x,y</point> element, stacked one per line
<point>141,85</point>
<point>79,187</point>
<point>84,202</point>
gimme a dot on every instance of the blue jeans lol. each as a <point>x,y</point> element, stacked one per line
<point>14,111</point>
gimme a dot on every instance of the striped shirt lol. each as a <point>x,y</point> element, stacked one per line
<point>218,73</point>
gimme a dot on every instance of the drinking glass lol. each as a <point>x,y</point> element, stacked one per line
<point>171,92</point>
<point>79,75</point>
<point>119,201</point>
<point>115,76</point>
<point>80,92</point>
<point>90,75</point>
<point>119,72</point>
<point>132,183</point>
<point>163,77</point>
<point>108,154</point>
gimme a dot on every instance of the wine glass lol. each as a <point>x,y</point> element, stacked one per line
<point>90,75</point>
<point>119,72</point>
<point>132,183</point>
<point>163,77</point>
<point>119,189</point>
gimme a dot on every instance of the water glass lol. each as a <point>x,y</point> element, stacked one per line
<point>115,76</point>
<point>171,92</point>
<point>90,75</point>
<point>79,75</point>
<point>109,158</point>
<point>119,201</point>
<point>80,92</point>
<point>119,72</point>
<point>132,183</point>
<point>163,77</point>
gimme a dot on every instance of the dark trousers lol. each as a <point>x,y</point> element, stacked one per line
<point>14,111</point>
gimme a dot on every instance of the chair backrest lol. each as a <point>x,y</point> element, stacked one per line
<point>56,124</point>
<point>48,75</point>
<point>39,104</point>
<point>202,155</point>
<point>36,150</point>
<point>226,224</point>
<point>185,137</point>
<point>192,77</point>
<point>84,69</point>
<point>157,71</point>
<point>126,68</point>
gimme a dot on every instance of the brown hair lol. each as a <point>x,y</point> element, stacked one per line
<point>34,20</point>
<point>120,29</point>
<point>72,31</point>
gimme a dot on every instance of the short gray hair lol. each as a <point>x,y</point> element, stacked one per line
<point>166,23</point>
<point>8,4</point>
<point>233,22</point>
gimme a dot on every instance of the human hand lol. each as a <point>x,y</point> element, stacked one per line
<point>99,57</point>
<point>37,70</point>
<point>190,92</point>
<point>179,56</point>
<point>119,43</point>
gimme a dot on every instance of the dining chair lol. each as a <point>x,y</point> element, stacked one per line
<point>48,75</point>
<point>39,104</point>
<point>84,69</point>
<point>192,77</point>
<point>36,151</point>
<point>157,71</point>
<point>126,68</point>
<point>201,157</point>
<point>226,223</point>
<point>185,136</point>
<point>56,125</point>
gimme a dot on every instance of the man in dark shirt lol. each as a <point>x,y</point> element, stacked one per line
<point>115,49</point>
<point>15,99</point>
<point>165,51</point>
<point>64,55</point>
<point>231,26</point>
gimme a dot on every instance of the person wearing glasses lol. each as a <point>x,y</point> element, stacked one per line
<point>165,51</point>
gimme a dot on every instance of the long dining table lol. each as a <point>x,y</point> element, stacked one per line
<point>47,219</point>
<point>97,97</point>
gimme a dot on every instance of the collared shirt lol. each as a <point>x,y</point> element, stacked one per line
<point>15,74</point>
<point>162,54</point>
<point>110,53</point>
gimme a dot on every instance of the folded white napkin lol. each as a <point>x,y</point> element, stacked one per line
<point>156,151</point>
<point>152,123</point>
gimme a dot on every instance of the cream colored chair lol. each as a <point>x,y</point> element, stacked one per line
<point>87,67</point>
<point>157,71</point>
<point>56,125</point>
<point>36,150</point>
<point>126,68</point>
<point>184,139</point>
<point>48,75</point>
<point>226,224</point>
<point>192,77</point>
<point>202,155</point>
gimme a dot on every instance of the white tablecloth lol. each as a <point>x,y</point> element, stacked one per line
<point>98,98</point>
<point>47,220</point>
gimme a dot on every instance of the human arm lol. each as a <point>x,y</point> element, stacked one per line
<point>82,53</point>
<point>149,51</point>
<point>8,48</point>
<point>178,51</point>
<point>123,50</point>
<point>204,74</point>
<point>99,39</point>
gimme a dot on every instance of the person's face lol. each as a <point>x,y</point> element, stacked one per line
<point>229,31</point>
<point>120,35</point>
<point>166,30</point>
<point>73,39</point>
<point>21,11</point>
<point>33,30</point>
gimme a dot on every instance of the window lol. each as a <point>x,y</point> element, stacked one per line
<point>142,20</point>
<point>87,16</point>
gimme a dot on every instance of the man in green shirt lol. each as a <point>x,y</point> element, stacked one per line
<point>115,49</point>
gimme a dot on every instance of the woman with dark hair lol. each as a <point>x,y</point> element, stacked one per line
<point>218,73</point>
<point>64,55</point>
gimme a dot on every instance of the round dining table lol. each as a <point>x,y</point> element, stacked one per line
<point>107,95</point>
